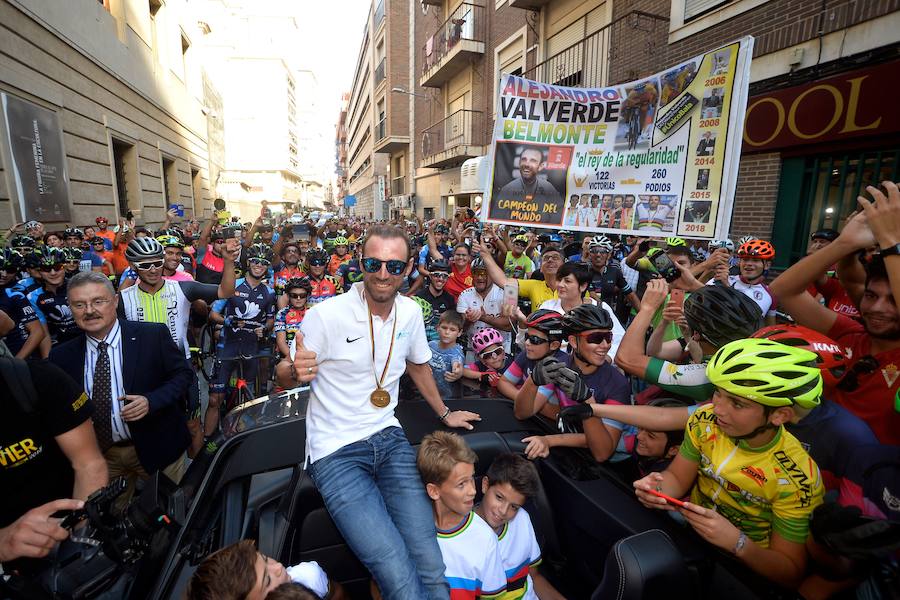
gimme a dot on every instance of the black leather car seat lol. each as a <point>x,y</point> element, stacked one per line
<point>644,565</point>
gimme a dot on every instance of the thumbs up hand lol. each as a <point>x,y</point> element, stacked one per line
<point>305,366</point>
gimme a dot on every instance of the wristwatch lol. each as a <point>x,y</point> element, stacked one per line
<point>890,251</point>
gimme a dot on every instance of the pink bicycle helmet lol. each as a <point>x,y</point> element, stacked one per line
<point>486,338</point>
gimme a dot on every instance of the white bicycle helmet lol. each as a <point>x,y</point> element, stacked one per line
<point>144,248</point>
<point>602,242</point>
<point>726,243</point>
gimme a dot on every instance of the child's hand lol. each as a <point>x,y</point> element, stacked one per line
<point>537,447</point>
<point>455,374</point>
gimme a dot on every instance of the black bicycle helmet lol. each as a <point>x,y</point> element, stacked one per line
<point>317,253</point>
<point>546,321</point>
<point>73,232</point>
<point>585,318</point>
<point>721,314</point>
<point>260,252</point>
<point>11,260</point>
<point>72,254</point>
<point>825,234</point>
<point>439,265</point>
<point>478,264</point>
<point>51,255</point>
<point>302,283</point>
<point>143,248</point>
<point>22,241</point>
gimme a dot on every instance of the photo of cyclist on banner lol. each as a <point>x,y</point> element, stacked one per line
<point>636,117</point>
<point>529,182</point>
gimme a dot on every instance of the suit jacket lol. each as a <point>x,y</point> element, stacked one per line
<point>152,366</point>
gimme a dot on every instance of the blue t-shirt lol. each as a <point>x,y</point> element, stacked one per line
<point>442,362</point>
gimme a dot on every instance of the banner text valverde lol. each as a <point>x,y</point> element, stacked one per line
<point>546,133</point>
<point>524,88</point>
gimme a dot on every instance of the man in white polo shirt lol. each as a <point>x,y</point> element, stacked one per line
<point>352,349</point>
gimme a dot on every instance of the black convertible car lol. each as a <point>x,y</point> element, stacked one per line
<point>597,540</point>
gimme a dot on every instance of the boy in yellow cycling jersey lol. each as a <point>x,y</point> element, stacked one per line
<point>752,485</point>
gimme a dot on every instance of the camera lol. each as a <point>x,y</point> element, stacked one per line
<point>107,556</point>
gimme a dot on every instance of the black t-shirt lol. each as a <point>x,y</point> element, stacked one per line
<point>33,470</point>
<point>440,303</point>
<point>55,307</point>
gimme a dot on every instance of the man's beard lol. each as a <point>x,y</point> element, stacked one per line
<point>379,294</point>
<point>891,334</point>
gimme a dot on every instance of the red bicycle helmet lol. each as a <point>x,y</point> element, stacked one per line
<point>757,249</point>
<point>831,360</point>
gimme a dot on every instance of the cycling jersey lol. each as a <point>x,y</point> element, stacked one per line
<point>22,313</point>
<point>536,291</point>
<point>873,399</point>
<point>773,488</point>
<point>282,276</point>
<point>325,288</point>
<point>426,258</point>
<point>179,276</point>
<point>209,269</point>
<point>517,268</point>
<point>54,308</point>
<point>89,260</point>
<point>288,320</point>
<point>473,568</point>
<point>520,554</point>
<point>521,367</point>
<point>758,292</point>
<point>248,309</point>
<point>349,273</point>
<point>610,284</point>
<point>685,380</point>
<point>335,262</point>
<point>170,305</point>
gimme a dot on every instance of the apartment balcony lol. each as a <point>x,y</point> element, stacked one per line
<point>459,39</point>
<point>388,139</point>
<point>529,4</point>
<point>379,71</point>
<point>629,48</point>
<point>458,137</point>
<point>398,186</point>
<point>378,17</point>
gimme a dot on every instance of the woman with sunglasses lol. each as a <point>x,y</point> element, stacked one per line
<point>288,319</point>
<point>584,376</point>
<point>324,286</point>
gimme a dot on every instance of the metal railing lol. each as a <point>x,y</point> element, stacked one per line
<point>379,71</point>
<point>630,47</point>
<point>380,129</point>
<point>398,186</point>
<point>379,14</point>
<point>462,128</point>
<point>465,23</point>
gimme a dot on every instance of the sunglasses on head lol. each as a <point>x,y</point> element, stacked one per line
<point>298,295</point>
<point>150,264</point>
<point>373,265</point>
<point>259,261</point>
<point>492,353</point>
<point>597,337</point>
<point>536,340</point>
<point>49,268</point>
<point>863,366</point>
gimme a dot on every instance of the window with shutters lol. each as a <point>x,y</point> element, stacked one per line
<point>696,8</point>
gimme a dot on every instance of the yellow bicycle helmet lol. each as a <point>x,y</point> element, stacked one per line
<point>767,372</point>
<point>675,242</point>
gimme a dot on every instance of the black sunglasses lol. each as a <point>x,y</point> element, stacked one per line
<point>259,261</point>
<point>49,268</point>
<point>536,340</point>
<point>373,265</point>
<point>318,262</point>
<point>597,337</point>
<point>863,366</point>
<point>298,296</point>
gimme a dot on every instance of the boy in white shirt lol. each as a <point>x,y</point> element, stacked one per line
<point>510,481</point>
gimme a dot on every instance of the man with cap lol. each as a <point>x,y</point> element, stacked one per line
<point>435,294</point>
<point>104,232</point>
<point>828,288</point>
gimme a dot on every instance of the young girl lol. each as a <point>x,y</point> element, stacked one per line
<point>491,360</point>
<point>288,319</point>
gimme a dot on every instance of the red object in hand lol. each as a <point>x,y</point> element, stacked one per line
<point>668,499</point>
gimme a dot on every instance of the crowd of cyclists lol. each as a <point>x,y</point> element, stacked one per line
<point>690,368</point>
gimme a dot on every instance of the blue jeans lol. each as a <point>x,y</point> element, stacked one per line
<point>373,492</point>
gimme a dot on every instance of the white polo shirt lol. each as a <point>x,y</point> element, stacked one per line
<point>337,330</point>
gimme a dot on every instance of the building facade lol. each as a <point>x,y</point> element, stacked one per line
<point>120,94</point>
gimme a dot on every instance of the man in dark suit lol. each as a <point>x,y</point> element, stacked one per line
<point>135,377</point>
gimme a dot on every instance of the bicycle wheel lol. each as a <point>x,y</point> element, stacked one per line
<point>207,345</point>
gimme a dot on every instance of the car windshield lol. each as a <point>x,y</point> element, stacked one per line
<point>266,410</point>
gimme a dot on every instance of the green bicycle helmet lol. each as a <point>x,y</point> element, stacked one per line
<point>675,242</point>
<point>341,241</point>
<point>50,256</point>
<point>170,241</point>
<point>427,309</point>
<point>767,372</point>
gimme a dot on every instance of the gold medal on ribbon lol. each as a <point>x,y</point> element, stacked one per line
<point>380,398</point>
